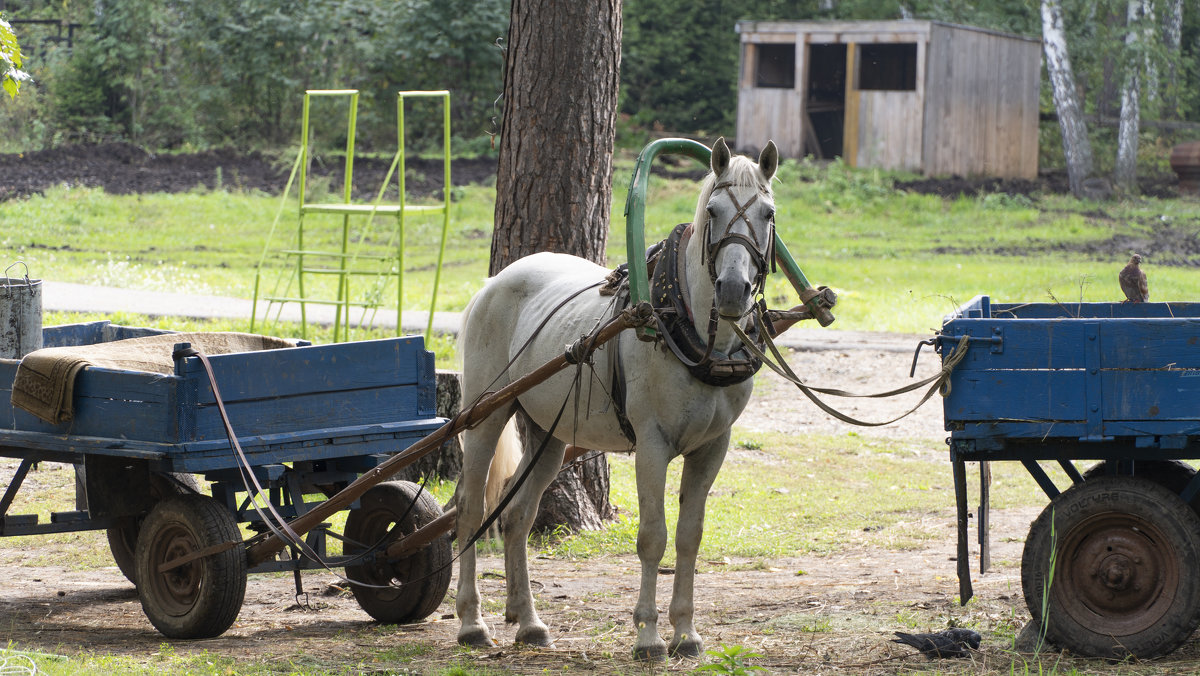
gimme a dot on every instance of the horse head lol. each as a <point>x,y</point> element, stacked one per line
<point>737,207</point>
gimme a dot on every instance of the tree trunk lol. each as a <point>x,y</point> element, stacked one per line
<point>1076,147</point>
<point>1125,173</point>
<point>1172,41</point>
<point>554,179</point>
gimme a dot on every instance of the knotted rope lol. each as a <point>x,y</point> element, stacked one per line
<point>938,383</point>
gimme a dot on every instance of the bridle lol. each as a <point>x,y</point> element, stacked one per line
<point>761,253</point>
<point>674,318</point>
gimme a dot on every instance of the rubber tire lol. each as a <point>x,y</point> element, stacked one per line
<point>122,538</point>
<point>418,582</point>
<point>1137,516</point>
<point>200,599</point>
<point>1173,475</point>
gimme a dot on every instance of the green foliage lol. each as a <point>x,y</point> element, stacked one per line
<point>444,44</point>
<point>11,75</point>
<point>679,59</point>
<point>201,74</point>
<point>731,660</point>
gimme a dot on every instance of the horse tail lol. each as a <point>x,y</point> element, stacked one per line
<point>509,450</point>
<point>504,465</point>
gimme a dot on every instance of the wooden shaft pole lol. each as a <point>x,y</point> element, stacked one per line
<point>422,536</point>
<point>268,548</point>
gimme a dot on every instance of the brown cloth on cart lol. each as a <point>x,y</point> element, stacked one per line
<point>45,380</point>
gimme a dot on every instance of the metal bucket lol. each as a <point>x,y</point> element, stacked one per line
<point>20,314</point>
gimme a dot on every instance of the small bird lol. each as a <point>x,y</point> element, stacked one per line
<point>955,642</point>
<point>1133,281</point>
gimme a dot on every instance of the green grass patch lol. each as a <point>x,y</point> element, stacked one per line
<point>900,261</point>
<point>805,494</point>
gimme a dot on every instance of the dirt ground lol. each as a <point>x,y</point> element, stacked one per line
<point>838,617</point>
<point>121,168</point>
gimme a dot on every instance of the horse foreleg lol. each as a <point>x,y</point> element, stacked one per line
<point>479,445</point>
<point>518,520</point>
<point>699,471</point>
<point>651,468</point>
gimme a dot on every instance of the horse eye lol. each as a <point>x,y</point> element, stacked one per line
<point>712,212</point>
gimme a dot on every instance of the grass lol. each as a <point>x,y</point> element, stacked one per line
<point>794,494</point>
<point>900,261</point>
<point>800,495</point>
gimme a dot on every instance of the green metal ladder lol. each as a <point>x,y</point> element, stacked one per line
<point>347,263</point>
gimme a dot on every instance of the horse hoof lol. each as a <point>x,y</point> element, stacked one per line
<point>688,647</point>
<point>656,653</point>
<point>538,637</point>
<point>477,638</point>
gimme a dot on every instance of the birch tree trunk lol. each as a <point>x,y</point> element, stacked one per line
<point>1172,40</point>
<point>1076,148</point>
<point>1125,173</point>
<point>554,177</point>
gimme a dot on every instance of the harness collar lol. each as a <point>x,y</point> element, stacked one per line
<point>678,331</point>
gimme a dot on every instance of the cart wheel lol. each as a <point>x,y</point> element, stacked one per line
<point>122,538</point>
<point>1173,475</point>
<point>414,586</point>
<point>199,599</point>
<point>1122,580</point>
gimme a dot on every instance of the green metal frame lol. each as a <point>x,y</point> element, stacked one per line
<point>635,227</point>
<point>345,269</point>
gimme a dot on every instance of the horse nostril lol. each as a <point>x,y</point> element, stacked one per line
<point>742,288</point>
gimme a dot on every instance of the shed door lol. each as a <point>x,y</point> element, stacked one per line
<point>825,100</point>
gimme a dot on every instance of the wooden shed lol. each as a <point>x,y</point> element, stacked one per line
<point>923,96</point>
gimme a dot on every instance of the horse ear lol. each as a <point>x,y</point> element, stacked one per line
<point>768,160</point>
<point>720,157</point>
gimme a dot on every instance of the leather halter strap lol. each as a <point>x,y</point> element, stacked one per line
<point>761,253</point>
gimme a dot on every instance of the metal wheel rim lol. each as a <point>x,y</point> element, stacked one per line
<point>378,571</point>
<point>1116,573</point>
<point>176,590</point>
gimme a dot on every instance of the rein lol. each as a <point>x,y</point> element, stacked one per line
<point>938,383</point>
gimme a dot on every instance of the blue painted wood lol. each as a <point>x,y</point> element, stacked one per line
<point>305,403</point>
<point>1016,395</point>
<point>1090,371</point>
<point>1093,392</point>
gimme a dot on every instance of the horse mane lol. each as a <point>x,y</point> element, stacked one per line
<point>743,172</point>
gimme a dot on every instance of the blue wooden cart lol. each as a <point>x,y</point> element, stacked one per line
<point>1110,566</point>
<point>310,419</point>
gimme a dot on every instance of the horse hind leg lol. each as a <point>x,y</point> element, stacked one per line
<point>479,449</point>
<point>518,520</point>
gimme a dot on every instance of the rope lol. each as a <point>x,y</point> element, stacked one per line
<point>939,383</point>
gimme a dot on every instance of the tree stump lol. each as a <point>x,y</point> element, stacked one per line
<point>446,463</point>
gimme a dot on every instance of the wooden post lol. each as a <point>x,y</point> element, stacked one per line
<point>850,114</point>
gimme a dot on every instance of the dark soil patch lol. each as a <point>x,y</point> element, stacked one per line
<point>122,169</point>
<point>1163,186</point>
<point>1163,243</point>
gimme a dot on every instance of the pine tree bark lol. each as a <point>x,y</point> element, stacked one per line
<point>554,178</point>
<point>1077,149</point>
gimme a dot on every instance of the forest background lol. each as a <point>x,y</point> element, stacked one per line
<point>186,75</point>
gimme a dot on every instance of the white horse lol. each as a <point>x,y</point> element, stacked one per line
<point>669,410</point>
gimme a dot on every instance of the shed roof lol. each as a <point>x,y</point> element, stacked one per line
<point>852,27</point>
